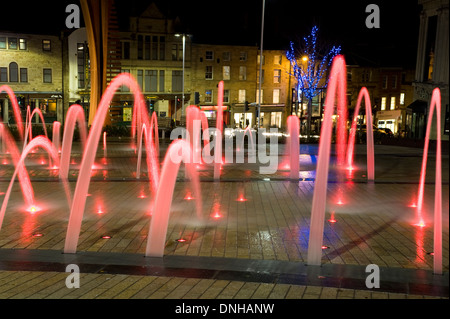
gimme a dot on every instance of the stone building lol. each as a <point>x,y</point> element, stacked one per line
<point>31,64</point>
<point>236,66</point>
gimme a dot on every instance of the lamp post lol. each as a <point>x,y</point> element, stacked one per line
<point>260,64</point>
<point>183,35</point>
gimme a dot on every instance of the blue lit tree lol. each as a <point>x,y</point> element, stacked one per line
<point>309,67</point>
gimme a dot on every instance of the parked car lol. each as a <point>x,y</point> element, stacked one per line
<point>378,133</point>
<point>388,132</point>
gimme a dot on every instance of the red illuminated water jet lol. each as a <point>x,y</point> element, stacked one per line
<point>435,104</point>
<point>337,85</point>
<point>364,93</point>
<point>161,209</point>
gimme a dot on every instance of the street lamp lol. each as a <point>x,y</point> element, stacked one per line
<point>260,64</point>
<point>183,35</point>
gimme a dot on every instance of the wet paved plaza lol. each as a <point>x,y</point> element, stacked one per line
<point>251,241</point>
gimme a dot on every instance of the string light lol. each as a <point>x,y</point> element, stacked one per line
<point>308,80</point>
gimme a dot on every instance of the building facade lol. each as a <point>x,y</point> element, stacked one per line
<point>432,67</point>
<point>31,64</point>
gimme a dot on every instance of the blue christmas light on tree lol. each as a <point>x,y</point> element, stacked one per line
<point>309,77</point>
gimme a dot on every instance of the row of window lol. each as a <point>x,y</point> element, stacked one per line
<point>242,96</point>
<point>15,74</point>
<point>12,43</point>
<point>226,74</point>
<point>392,105</point>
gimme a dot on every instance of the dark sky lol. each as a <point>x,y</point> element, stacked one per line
<point>239,22</point>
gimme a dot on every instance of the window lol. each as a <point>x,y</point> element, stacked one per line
<point>22,44</point>
<point>47,75</point>
<point>174,52</point>
<point>277,60</point>
<point>162,78</point>
<point>258,59</point>
<point>209,73</point>
<point>154,47</point>
<point>2,42</point>
<point>23,75</point>
<point>208,96</point>
<point>383,103</point>
<point>226,73</point>
<point>243,56</point>
<point>46,45</point>
<point>140,78</point>
<point>177,81</point>
<point>140,47</point>
<point>277,76</point>
<point>385,81</point>
<point>81,65</point>
<point>257,96</point>
<point>126,51</point>
<point>147,47</point>
<point>262,76</point>
<point>242,73</point>
<point>226,56</point>
<point>125,88</point>
<point>12,43</point>
<point>394,82</point>
<point>162,48</point>
<point>402,98</point>
<point>276,96</point>
<point>13,72</point>
<point>392,103</point>
<point>226,96</point>
<point>3,74</point>
<point>209,55</point>
<point>151,80</point>
<point>241,96</point>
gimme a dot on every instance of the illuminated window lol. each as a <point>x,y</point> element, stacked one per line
<point>226,73</point>
<point>242,73</point>
<point>22,44</point>
<point>241,96</point>
<point>257,96</point>
<point>402,98</point>
<point>208,96</point>
<point>383,103</point>
<point>276,96</point>
<point>277,59</point>
<point>277,76</point>
<point>46,45</point>
<point>392,103</point>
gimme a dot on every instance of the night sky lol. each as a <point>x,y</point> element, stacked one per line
<point>239,22</point>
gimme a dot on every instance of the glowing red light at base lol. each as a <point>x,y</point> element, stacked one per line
<point>188,196</point>
<point>100,211</point>
<point>332,219</point>
<point>33,209</point>
<point>325,247</point>
<point>421,223</point>
<point>217,215</point>
<point>181,240</point>
<point>242,199</point>
<point>106,237</point>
